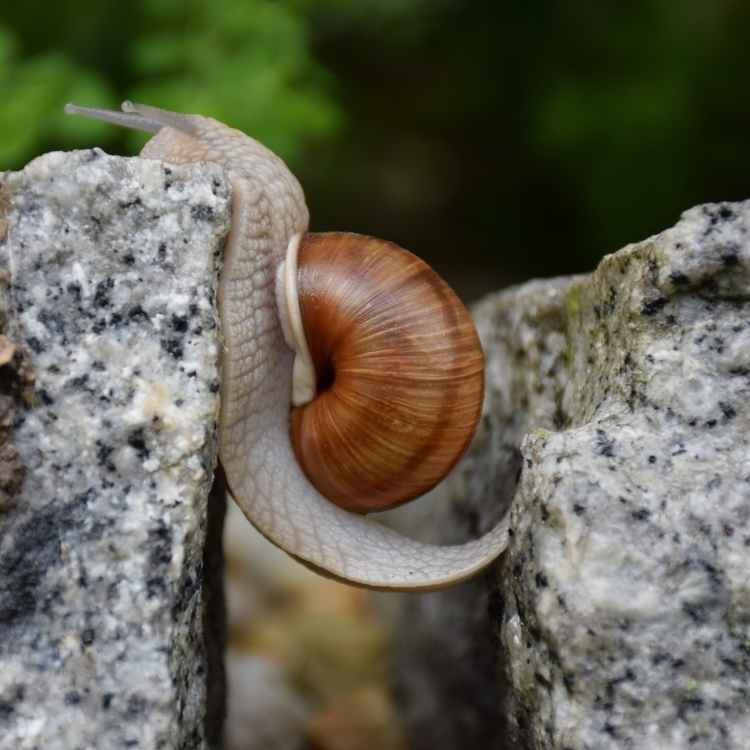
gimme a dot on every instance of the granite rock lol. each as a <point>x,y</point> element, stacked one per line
<point>617,423</point>
<point>104,637</point>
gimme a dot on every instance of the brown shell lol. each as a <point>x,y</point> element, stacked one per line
<point>400,372</point>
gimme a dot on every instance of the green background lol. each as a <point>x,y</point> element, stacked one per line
<point>499,141</point>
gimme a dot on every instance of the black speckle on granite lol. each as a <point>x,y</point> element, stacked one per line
<point>54,324</point>
<point>156,587</point>
<point>712,572</point>
<point>77,383</point>
<point>727,410</point>
<point>605,445</point>
<point>202,213</point>
<point>689,704</point>
<point>135,203</point>
<point>94,228</point>
<point>696,611</point>
<point>137,440</point>
<point>179,323</point>
<point>160,544</point>
<point>137,313</point>
<point>730,258</point>
<point>136,707</point>
<point>173,347</point>
<point>653,306</point>
<point>102,293</point>
<point>103,453</point>
<point>35,345</point>
<point>23,564</point>
<point>6,711</point>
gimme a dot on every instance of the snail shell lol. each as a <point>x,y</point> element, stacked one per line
<point>399,372</point>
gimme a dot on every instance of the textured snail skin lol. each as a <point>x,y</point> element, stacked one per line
<point>268,210</point>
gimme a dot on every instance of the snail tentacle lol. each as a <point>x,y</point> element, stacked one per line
<point>126,120</point>
<point>255,446</point>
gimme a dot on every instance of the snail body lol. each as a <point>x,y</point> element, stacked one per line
<point>266,307</point>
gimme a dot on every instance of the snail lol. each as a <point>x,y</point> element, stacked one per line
<point>279,321</point>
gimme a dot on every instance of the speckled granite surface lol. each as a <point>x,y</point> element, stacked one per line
<point>113,268</point>
<point>622,610</point>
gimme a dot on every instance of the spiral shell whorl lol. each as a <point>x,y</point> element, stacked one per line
<point>400,372</point>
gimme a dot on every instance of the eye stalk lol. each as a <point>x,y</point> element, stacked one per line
<point>399,372</point>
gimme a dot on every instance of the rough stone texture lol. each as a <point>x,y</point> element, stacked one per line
<point>621,612</point>
<point>113,266</point>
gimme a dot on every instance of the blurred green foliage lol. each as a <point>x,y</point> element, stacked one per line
<point>247,63</point>
<point>32,89</point>
<point>497,140</point>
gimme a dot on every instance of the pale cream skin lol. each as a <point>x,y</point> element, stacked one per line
<point>257,306</point>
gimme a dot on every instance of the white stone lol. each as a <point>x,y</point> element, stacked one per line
<point>113,282</point>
